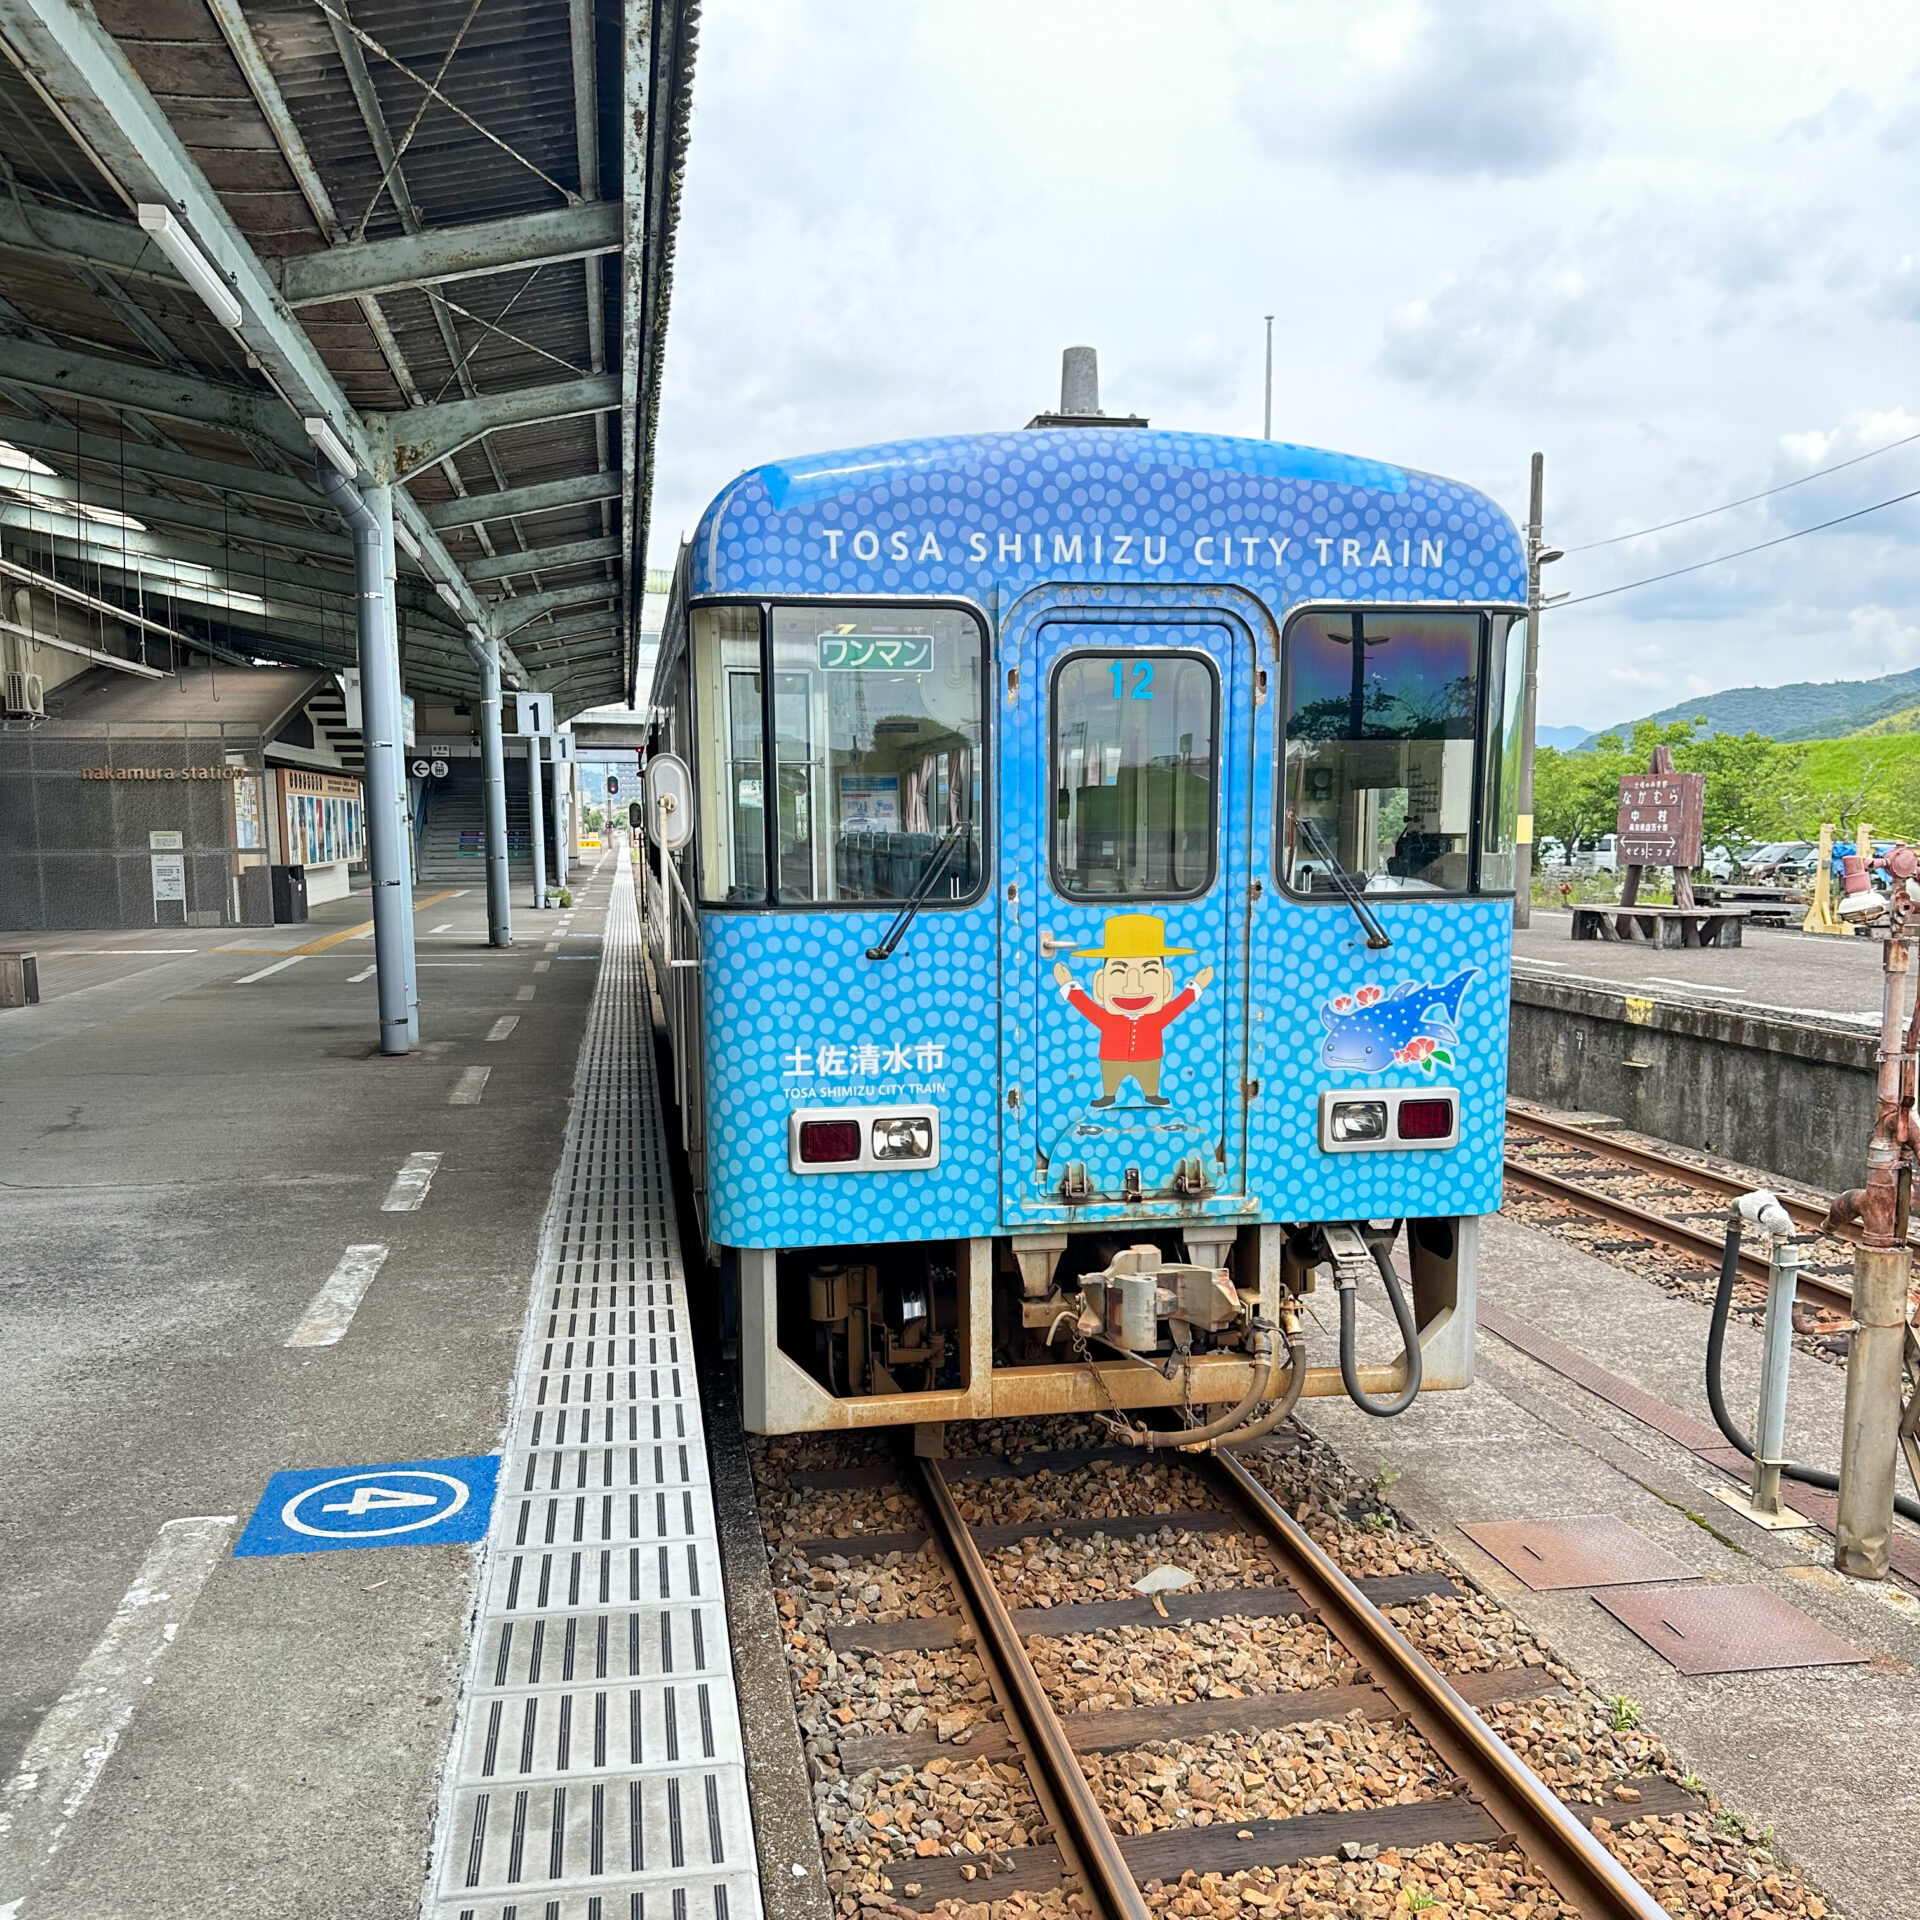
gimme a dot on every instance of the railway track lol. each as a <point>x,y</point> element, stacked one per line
<point>1584,1161</point>
<point>1434,1772</point>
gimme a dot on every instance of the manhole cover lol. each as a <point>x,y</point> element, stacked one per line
<point>1591,1550</point>
<point>1707,1629</point>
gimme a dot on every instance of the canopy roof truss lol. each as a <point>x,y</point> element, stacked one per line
<point>449,227</point>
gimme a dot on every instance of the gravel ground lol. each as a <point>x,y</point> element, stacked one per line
<point>874,1826</point>
<point>1326,1766</point>
<point>1213,1660</point>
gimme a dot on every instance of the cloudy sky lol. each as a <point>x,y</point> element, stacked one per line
<point>1675,247</point>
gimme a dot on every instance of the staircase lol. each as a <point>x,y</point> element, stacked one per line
<point>453,839</point>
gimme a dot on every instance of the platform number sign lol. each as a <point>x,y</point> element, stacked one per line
<point>411,1503</point>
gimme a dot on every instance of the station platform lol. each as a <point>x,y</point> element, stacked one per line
<point>239,1244</point>
<point>1777,970</point>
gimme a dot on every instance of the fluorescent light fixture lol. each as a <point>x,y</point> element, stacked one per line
<point>406,540</point>
<point>193,266</point>
<point>447,594</point>
<point>321,433</point>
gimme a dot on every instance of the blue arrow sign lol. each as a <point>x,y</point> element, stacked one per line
<point>413,1503</point>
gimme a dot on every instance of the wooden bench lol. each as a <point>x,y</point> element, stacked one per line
<point>1661,926</point>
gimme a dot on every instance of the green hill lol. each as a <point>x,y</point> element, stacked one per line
<point>1806,710</point>
<point>1901,720</point>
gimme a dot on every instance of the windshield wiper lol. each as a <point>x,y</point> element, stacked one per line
<point>1378,938</point>
<point>902,920</point>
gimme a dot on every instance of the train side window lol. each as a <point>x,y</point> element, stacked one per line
<point>877,727</point>
<point>731,767</point>
<point>1135,772</point>
<point>1500,764</point>
<point>1383,709</point>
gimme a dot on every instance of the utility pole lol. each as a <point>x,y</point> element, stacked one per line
<point>1266,427</point>
<point>1539,554</point>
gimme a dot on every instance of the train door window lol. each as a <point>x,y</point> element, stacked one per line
<point>732,773</point>
<point>877,727</point>
<point>1382,713</point>
<point>1135,773</point>
<point>1500,764</point>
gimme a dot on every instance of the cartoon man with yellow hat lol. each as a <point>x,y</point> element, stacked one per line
<point>1133,1001</point>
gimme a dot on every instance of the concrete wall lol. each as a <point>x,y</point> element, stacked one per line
<point>1787,1096</point>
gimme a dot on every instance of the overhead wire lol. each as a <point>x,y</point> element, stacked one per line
<point>1739,553</point>
<point>1747,500</point>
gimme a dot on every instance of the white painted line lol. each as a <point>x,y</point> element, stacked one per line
<point>469,1087</point>
<point>503,1026</point>
<point>459,893</point>
<point>365,933</point>
<point>365,973</point>
<point>111,953</point>
<point>540,966</point>
<point>1527,960</point>
<point>279,966</point>
<point>429,963</point>
<point>70,1748</point>
<point>445,926</point>
<point>410,1184</point>
<point>524,993</point>
<point>332,1308</point>
<point>1694,986</point>
<point>552,946</point>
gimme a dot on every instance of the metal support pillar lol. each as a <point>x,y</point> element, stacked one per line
<point>1529,699</point>
<point>494,773</point>
<point>537,811</point>
<point>1870,1428</point>
<point>369,513</point>
<point>380,499</point>
<point>562,821</point>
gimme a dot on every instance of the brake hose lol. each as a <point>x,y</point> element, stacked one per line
<point>1409,1338</point>
<point>1716,1395</point>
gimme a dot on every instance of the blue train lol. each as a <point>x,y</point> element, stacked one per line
<point>1079,886</point>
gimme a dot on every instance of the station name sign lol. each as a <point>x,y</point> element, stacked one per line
<point>1660,819</point>
<point>163,773</point>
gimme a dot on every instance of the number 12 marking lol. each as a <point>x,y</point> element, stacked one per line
<point>1142,679</point>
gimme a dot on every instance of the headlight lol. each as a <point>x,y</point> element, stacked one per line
<point>908,1139</point>
<point>1358,1120</point>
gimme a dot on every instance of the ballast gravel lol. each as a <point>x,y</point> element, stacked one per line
<point>1211,1660</point>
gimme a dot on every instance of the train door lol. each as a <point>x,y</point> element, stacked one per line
<point>1126,763</point>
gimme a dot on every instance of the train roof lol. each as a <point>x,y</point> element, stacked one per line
<point>963,515</point>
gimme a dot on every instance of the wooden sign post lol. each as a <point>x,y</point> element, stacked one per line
<point>1660,823</point>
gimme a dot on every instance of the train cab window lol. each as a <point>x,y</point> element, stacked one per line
<point>877,730</point>
<point>1134,775</point>
<point>1383,714</point>
<point>1500,764</point>
<point>732,774</point>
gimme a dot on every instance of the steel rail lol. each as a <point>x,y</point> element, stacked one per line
<point>1104,1868</point>
<point>1809,1216</point>
<point>1581,1870</point>
<point>1816,1290</point>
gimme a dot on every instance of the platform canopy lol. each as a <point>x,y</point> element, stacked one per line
<point>444,228</point>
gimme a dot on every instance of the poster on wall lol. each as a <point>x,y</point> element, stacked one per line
<point>324,818</point>
<point>249,813</point>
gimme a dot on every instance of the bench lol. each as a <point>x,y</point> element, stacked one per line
<point>1661,926</point>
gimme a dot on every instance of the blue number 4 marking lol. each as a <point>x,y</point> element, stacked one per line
<point>1142,679</point>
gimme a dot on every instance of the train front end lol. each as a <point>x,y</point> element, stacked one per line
<point>1095,935</point>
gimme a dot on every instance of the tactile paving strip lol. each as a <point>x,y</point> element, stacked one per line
<point>596,1770</point>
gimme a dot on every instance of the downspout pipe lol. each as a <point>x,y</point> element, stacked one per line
<point>385,769</point>
<point>493,768</point>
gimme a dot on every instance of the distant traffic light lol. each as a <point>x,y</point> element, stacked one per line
<point>613,783</point>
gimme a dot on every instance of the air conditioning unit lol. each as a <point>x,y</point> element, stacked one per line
<point>25,694</point>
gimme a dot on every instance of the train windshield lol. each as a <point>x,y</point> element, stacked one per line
<point>871,791</point>
<point>1400,737</point>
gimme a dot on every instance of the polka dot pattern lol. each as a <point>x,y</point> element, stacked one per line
<point>965,1011</point>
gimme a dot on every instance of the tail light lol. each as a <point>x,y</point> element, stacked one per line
<point>823,1142</point>
<point>1426,1119</point>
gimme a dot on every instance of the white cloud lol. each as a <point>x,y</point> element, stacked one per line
<point>1682,259</point>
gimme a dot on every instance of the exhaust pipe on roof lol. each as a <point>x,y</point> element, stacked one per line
<point>1080,395</point>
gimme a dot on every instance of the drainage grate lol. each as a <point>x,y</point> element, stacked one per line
<point>597,1771</point>
<point>1594,1550</point>
<point>1712,1629</point>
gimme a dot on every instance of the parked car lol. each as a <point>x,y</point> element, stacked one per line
<point>1763,862</point>
<point>1717,864</point>
<point>1602,857</point>
<point>1549,853</point>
